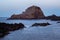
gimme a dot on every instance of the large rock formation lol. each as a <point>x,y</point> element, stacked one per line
<point>33,12</point>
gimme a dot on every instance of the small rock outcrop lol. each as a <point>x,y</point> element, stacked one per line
<point>53,17</point>
<point>33,12</point>
<point>58,22</point>
<point>41,24</point>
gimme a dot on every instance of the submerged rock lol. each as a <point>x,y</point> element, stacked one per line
<point>33,12</point>
<point>5,28</point>
<point>58,22</point>
<point>41,24</point>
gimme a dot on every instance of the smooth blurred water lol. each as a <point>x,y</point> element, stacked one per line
<point>51,32</point>
<point>27,23</point>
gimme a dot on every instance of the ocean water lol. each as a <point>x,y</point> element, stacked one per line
<point>27,23</point>
<point>50,32</point>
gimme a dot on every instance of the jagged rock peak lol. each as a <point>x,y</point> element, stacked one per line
<point>33,7</point>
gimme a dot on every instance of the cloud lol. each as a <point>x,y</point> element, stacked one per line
<point>16,6</point>
<point>18,3</point>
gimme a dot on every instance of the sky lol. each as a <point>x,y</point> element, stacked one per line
<point>10,7</point>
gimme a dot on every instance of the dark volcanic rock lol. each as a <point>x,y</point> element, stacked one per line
<point>33,12</point>
<point>53,17</point>
<point>3,32</point>
<point>5,28</point>
<point>40,24</point>
<point>58,22</point>
<point>12,27</point>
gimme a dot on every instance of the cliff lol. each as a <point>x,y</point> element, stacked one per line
<point>33,12</point>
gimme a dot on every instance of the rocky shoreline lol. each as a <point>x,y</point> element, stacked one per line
<point>5,28</point>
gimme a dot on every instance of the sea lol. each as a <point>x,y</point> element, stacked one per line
<point>50,32</point>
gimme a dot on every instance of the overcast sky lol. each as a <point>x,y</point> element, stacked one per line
<point>9,7</point>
